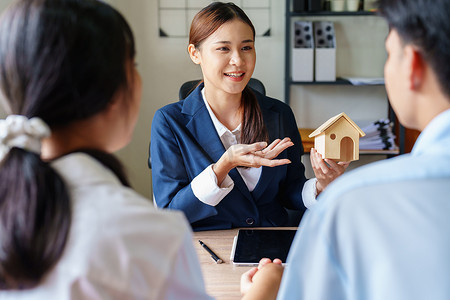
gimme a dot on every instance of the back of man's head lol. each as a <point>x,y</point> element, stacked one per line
<point>424,24</point>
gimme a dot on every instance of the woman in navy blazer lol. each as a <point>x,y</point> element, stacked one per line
<point>186,145</point>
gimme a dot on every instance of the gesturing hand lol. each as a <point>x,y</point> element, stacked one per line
<point>257,154</point>
<point>254,155</point>
<point>275,148</point>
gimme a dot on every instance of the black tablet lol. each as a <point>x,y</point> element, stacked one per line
<point>250,245</point>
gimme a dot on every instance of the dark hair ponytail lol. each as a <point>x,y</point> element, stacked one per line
<point>35,217</point>
<point>61,61</point>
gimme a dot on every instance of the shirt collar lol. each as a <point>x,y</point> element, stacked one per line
<point>436,130</point>
<point>80,170</point>
<point>220,128</point>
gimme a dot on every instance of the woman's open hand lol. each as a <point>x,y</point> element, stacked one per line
<point>253,155</point>
<point>258,154</point>
<point>275,148</point>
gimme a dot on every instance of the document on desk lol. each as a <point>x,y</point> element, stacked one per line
<point>250,245</point>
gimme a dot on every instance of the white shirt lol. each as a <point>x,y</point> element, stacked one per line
<point>204,185</point>
<point>120,246</point>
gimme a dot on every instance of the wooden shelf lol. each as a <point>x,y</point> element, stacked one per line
<point>307,149</point>
<point>380,152</point>
<point>308,143</point>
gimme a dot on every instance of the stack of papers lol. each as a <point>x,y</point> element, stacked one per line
<point>379,136</point>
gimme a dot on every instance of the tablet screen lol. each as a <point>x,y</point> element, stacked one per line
<point>251,245</point>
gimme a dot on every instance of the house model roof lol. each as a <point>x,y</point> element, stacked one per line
<point>333,120</point>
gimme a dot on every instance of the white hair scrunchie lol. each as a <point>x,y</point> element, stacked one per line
<point>21,132</point>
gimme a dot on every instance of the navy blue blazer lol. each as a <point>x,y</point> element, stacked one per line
<point>184,142</point>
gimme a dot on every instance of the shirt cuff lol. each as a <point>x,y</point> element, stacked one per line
<point>205,188</point>
<point>309,193</point>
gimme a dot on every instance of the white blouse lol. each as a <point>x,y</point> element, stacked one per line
<point>119,246</point>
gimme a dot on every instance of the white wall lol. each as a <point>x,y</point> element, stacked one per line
<point>164,65</point>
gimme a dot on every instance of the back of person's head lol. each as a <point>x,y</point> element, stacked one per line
<point>204,24</point>
<point>424,24</point>
<point>61,61</point>
<point>210,18</point>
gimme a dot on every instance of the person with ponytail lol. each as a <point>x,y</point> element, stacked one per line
<point>71,227</point>
<point>227,155</point>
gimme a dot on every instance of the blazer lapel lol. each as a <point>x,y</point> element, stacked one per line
<point>201,126</point>
<point>202,129</point>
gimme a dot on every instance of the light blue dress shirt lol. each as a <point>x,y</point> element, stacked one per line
<point>381,231</point>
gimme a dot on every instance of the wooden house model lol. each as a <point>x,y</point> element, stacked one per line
<point>338,138</point>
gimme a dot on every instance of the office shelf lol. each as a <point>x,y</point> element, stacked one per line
<point>339,81</point>
<point>288,82</point>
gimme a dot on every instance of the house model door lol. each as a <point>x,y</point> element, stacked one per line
<point>347,148</point>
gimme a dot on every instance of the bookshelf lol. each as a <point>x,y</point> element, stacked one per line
<point>340,83</point>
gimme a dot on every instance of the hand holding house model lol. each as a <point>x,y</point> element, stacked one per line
<point>338,138</point>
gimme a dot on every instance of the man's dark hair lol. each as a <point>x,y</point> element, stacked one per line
<point>424,24</point>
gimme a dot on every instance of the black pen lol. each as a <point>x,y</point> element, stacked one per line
<point>213,255</point>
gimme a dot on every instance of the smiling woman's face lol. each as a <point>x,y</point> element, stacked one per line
<point>227,57</point>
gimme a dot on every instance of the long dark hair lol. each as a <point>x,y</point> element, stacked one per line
<point>61,61</point>
<point>205,23</point>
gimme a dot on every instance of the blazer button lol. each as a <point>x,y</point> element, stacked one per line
<point>250,221</point>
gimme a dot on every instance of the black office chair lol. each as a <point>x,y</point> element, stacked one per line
<point>187,87</point>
